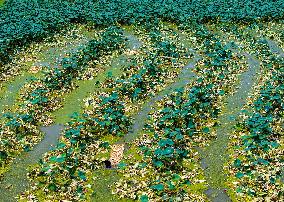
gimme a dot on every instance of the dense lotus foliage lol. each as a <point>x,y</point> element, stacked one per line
<point>159,76</point>
<point>15,31</point>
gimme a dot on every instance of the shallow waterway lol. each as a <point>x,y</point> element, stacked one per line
<point>73,101</point>
<point>214,156</point>
<point>9,93</point>
<point>15,180</point>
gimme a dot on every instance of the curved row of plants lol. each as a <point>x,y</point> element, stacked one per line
<point>19,129</point>
<point>247,181</point>
<point>257,152</point>
<point>66,172</point>
<point>165,166</point>
<point>38,55</point>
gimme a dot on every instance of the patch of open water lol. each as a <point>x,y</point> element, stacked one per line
<point>15,180</point>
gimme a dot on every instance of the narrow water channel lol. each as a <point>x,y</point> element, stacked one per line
<point>9,93</point>
<point>275,48</point>
<point>73,101</point>
<point>186,75</point>
<point>15,180</point>
<point>52,56</point>
<point>214,156</point>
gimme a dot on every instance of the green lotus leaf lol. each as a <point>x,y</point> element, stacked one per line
<point>158,187</point>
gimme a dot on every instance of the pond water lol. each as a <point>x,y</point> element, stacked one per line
<point>217,195</point>
<point>9,93</point>
<point>52,56</point>
<point>15,180</point>
<point>213,156</point>
<point>133,42</point>
<point>73,101</point>
<point>275,48</point>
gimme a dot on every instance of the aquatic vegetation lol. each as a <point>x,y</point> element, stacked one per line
<point>40,96</point>
<point>105,116</point>
<point>181,124</point>
<point>169,100</point>
<point>257,155</point>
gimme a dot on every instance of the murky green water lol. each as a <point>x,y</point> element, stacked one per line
<point>133,41</point>
<point>217,195</point>
<point>214,156</point>
<point>275,48</point>
<point>74,100</point>
<point>15,180</point>
<point>52,56</point>
<point>9,93</point>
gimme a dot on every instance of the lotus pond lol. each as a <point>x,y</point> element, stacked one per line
<point>104,100</point>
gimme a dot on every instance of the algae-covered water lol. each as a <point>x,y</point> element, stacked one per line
<point>214,156</point>
<point>73,101</point>
<point>9,92</point>
<point>275,48</point>
<point>15,180</point>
